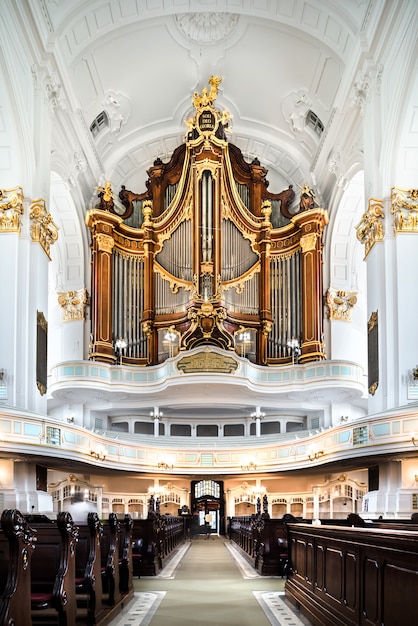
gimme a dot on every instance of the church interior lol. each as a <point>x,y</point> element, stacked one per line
<point>208,218</point>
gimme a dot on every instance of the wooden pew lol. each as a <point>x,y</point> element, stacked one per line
<point>353,575</point>
<point>16,546</point>
<point>125,556</point>
<point>53,572</point>
<point>88,580</point>
<point>110,560</point>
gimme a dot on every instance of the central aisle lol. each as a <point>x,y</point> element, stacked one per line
<point>208,586</point>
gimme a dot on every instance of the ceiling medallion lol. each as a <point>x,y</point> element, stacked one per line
<point>206,27</point>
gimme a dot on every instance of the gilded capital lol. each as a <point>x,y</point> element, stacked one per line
<point>43,229</point>
<point>405,210</point>
<point>105,243</point>
<point>371,229</point>
<point>340,304</point>
<point>308,242</point>
<point>11,208</point>
<point>73,304</point>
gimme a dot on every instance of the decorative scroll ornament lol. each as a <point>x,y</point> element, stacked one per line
<point>371,229</point>
<point>405,210</point>
<point>340,304</point>
<point>73,303</point>
<point>11,208</point>
<point>43,230</point>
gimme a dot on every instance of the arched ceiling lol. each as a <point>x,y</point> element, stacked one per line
<point>141,62</point>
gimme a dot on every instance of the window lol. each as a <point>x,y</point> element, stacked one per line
<point>101,122</point>
<point>313,121</point>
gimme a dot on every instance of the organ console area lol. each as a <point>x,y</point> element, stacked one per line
<point>206,255</point>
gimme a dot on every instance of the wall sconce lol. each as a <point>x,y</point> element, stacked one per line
<point>120,344</point>
<point>249,466</point>
<point>163,465</point>
<point>294,345</point>
<point>414,440</point>
<point>98,454</point>
<point>312,456</point>
<point>2,376</point>
<point>70,419</point>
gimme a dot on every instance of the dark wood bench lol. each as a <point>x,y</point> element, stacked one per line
<point>88,581</point>
<point>125,556</point>
<point>110,560</point>
<point>53,572</point>
<point>16,546</point>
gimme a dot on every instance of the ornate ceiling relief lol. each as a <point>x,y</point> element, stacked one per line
<point>206,28</point>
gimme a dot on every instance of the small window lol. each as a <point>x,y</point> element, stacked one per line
<point>181,430</point>
<point>207,430</point>
<point>315,123</point>
<point>101,122</point>
<point>144,428</point>
<point>234,430</point>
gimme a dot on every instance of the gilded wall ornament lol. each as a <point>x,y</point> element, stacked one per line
<point>43,229</point>
<point>405,210</point>
<point>371,228</point>
<point>11,208</point>
<point>340,304</point>
<point>73,304</point>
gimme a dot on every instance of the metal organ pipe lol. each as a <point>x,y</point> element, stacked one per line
<point>286,304</point>
<point>127,304</point>
<point>206,216</point>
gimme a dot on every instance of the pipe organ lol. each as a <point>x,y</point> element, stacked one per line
<point>207,255</point>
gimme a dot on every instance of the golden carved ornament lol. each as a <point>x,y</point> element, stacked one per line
<point>266,328</point>
<point>266,212</point>
<point>207,361</point>
<point>308,242</point>
<point>207,98</point>
<point>371,229</point>
<point>105,243</point>
<point>340,304</point>
<point>11,208</point>
<point>147,328</point>
<point>372,321</point>
<point>147,212</point>
<point>405,210</point>
<point>73,304</point>
<point>43,229</point>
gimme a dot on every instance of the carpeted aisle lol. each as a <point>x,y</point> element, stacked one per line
<point>208,583</point>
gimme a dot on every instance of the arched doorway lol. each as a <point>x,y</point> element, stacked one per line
<point>208,504</point>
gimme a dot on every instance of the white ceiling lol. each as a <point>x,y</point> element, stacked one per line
<point>141,61</point>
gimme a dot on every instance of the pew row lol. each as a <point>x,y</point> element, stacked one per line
<point>16,546</point>
<point>353,576</point>
<point>52,572</point>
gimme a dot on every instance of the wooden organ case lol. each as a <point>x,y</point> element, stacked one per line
<point>207,255</point>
